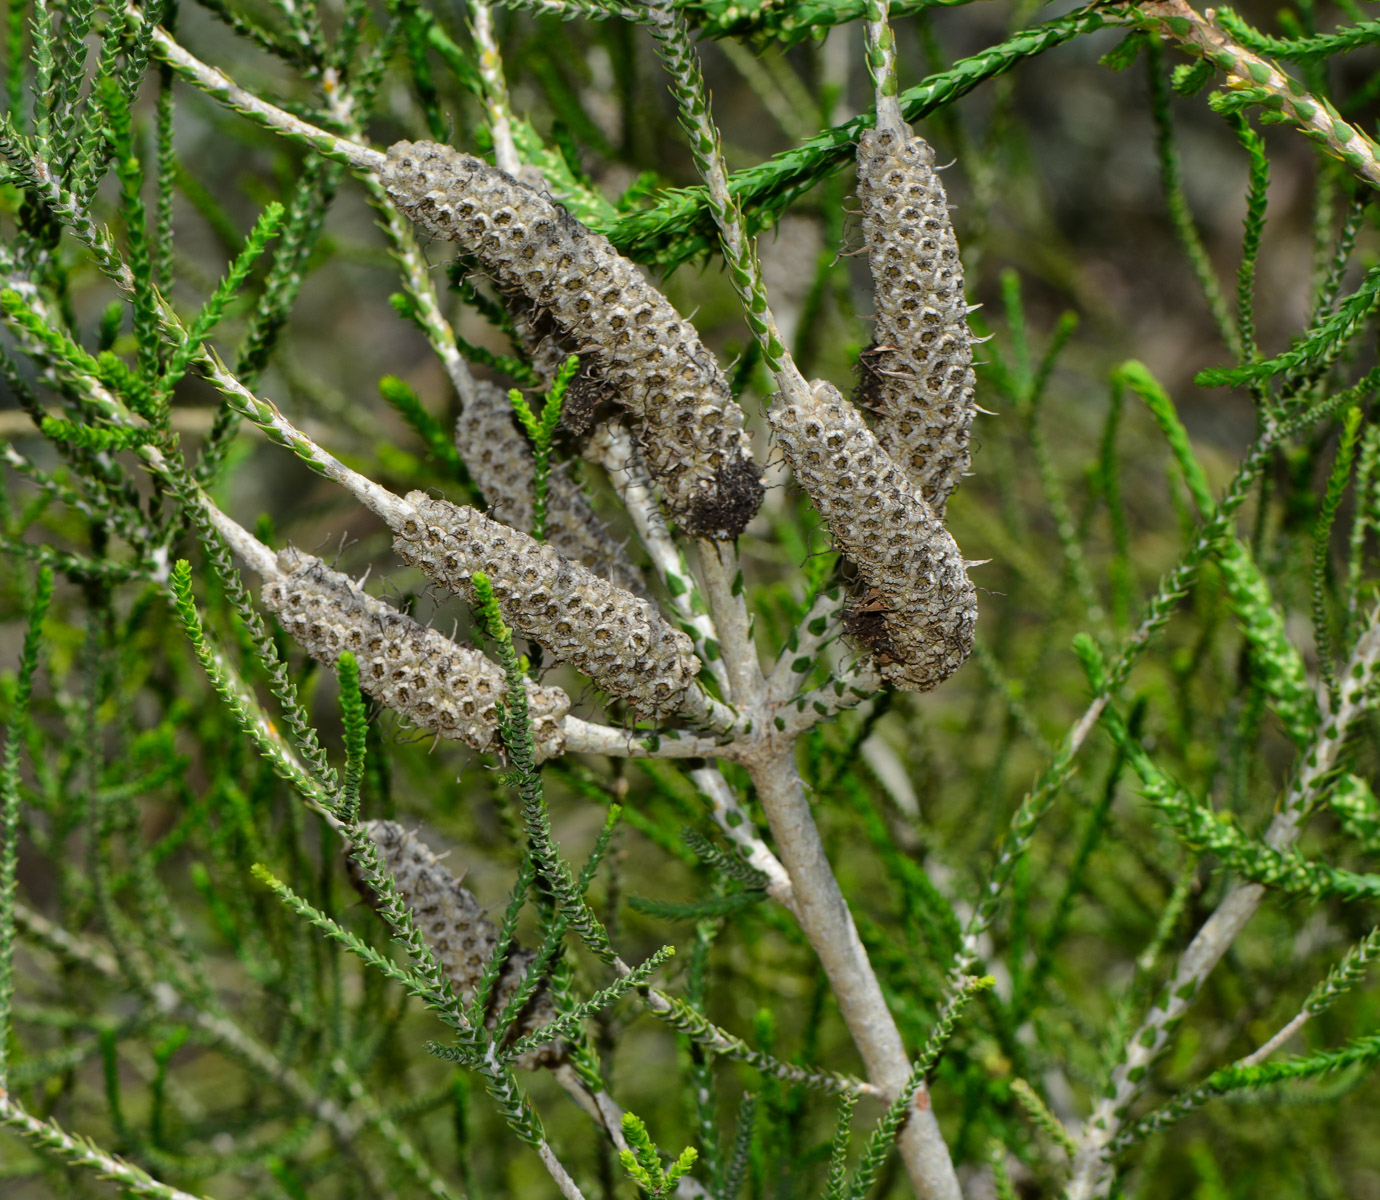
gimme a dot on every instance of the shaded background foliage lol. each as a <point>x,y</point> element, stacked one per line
<point>1069,243</point>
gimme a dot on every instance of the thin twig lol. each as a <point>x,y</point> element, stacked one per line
<point>1092,1173</point>
<point>214,82</point>
<point>495,88</point>
<point>1247,72</point>
<point>52,1139</point>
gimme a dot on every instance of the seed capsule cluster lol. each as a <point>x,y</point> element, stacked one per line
<point>919,615</point>
<point>537,335</point>
<point>608,634</point>
<point>590,399</point>
<point>500,461</point>
<point>917,379</point>
<point>497,455</point>
<point>689,427</point>
<point>411,669</point>
<point>451,920</point>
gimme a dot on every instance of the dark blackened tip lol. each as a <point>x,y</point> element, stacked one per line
<point>737,496</point>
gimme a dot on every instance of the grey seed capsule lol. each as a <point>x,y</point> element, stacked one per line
<point>416,671</point>
<point>463,939</point>
<point>920,611</point>
<point>615,638</point>
<point>686,421</point>
<point>917,378</point>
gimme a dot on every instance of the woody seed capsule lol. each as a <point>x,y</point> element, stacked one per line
<point>499,460</point>
<point>917,379</point>
<point>919,616</point>
<point>589,398</point>
<point>612,636</point>
<point>411,669</point>
<point>689,427</point>
<point>453,924</point>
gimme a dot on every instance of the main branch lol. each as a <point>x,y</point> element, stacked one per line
<point>824,917</point>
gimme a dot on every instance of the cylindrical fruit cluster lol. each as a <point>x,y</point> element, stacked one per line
<point>615,638</point>
<point>685,419</point>
<point>416,671</point>
<point>918,616</point>
<point>453,924</point>
<point>917,377</point>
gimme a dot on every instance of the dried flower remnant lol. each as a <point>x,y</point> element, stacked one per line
<point>500,461</point>
<point>453,924</point>
<point>919,614</point>
<point>411,669</point>
<point>917,378</point>
<point>606,633</point>
<point>687,423</point>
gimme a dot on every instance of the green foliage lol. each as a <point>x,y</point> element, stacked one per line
<point>265,229</point>
<point>1315,351</point>
<point>884,1135</point>
<point>408,406</point>
<point>1176,201</point>
<point>642,1160</point>
<point>700,910</point>
<point>16,730</point>
<point>355,721</point>
<point>838,1151</point>
<point>1257,199</point>
<point>1337,480</point>
<point>93,437</point>
<point>515,726</point>
<point>542,432</point>
<point>680,226</point>
<point>1341,41</point>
